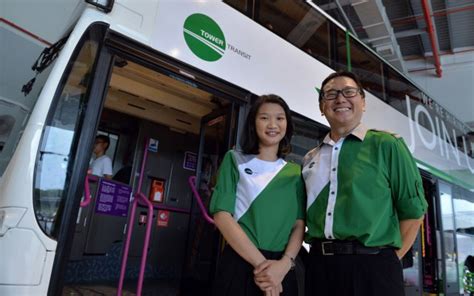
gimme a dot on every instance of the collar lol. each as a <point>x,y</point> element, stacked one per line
<point>359,132</point>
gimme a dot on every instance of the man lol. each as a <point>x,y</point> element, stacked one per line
<point>365,200</point>
<point>102,164</point>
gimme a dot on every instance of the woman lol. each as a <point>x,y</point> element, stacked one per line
<point>258,205</point>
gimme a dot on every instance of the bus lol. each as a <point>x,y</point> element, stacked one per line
<point>170,82</point>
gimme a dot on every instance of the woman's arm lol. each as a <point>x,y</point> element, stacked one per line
<point>237,238</point>
<point>272,272</point>
<point>296,239</point>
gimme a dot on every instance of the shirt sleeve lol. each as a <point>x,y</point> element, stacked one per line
<point>224,195</point>
<point>107,166</point>
<point>405,182</point>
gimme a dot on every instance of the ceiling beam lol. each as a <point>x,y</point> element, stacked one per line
<point>409,33</point>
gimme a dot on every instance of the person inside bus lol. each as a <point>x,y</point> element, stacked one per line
<point>102,164</point>
<point>258,206</point>
<point>365,200</point>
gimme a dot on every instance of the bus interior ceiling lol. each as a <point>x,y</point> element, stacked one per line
<point>144,104</point>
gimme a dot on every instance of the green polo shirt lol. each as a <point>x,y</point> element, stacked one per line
<point>361,187</point>
<point>264,197</point>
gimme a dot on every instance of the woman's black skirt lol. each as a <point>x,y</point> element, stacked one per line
<point>235,276</point>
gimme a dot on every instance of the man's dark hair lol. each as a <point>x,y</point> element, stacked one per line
<point>104,139</point>
<point>341,74</point>
<point>250,141</point>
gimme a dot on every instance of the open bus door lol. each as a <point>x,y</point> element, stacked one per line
<point>107,93</point>
<point>448,256</point>
<point>438,241</point>
<point>218,134</point>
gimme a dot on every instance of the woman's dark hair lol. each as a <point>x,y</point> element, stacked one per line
<point>250,142</point>
<point>342,74</point>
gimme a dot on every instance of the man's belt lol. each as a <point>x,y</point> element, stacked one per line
<point>338,247</point>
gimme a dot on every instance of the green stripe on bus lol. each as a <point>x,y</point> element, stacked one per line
<point>447,177</point>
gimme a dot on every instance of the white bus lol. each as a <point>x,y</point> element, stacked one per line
<point>169,82</point>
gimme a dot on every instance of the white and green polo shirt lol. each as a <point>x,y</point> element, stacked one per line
<point>360,187</point>
<point>264,197</point>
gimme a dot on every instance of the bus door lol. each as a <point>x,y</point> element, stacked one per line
<point>218,134</point>
<point>429,238</point>
<point>166,127</point>
<point>439,248</point>
<point>419,263</point>
<point>447,233</point>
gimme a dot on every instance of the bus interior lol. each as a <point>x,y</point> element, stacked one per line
<point>185,131</point>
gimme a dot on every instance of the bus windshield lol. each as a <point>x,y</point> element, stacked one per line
<point>17,54</point>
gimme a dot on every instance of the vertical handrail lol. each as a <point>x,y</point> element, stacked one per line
<point>138,197</point>
<point>192,183</point>
<point>87,191</point>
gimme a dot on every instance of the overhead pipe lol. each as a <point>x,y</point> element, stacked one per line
<point>437,13</point>
<point>431,34</point>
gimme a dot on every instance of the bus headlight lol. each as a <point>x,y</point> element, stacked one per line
<point>10,217</point>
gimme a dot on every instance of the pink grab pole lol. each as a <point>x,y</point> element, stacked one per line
<point>87,191</point>
<point>192,183</point>
<point>138,197</point>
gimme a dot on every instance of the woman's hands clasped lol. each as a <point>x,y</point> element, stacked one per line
<point>269,275</point>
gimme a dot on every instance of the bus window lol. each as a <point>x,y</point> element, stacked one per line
<point>53,164</point>
<point>299,24</point>
<point>241,5</point>
<point>338,48</point>
<point>316,37</point>
<point>307,134</point>
<point>280,17</point>
<point>368,67</point>
<point>448,235</point>
<point>18,54</point>
<point>463,202</point>
<point>396,87</point>
<point>7,122</point>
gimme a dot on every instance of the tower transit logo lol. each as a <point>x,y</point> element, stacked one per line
<point>204,37</point>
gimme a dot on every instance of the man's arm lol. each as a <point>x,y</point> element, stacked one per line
<point>408,230</point>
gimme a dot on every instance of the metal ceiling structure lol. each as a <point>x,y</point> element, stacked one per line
<point>401,30</point>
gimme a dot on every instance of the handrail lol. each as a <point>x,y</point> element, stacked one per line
<point>87,191</point>
<point>167,208</point>
<point>192,183</point>
<point>138,197</point>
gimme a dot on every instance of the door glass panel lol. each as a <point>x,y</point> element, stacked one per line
<point>217,136</point>
<point>463,202</point>
<point>411,268</point>
<point>430,246</point>
<point>448,235</point>
<point>53,166</point>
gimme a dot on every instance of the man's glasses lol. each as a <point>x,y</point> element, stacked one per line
<point>348,92</point>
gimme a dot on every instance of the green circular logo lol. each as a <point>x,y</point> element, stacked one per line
<point>204,37</point>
